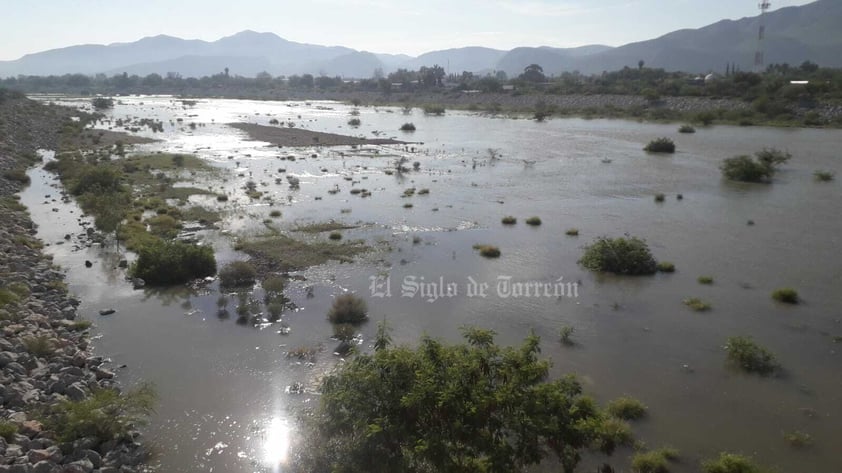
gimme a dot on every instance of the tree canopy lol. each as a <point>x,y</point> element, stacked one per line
<point>470,407</point>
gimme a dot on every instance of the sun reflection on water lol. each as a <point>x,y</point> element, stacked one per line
<point>276,443</point>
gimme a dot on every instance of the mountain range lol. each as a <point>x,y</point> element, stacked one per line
<point>793,35</point>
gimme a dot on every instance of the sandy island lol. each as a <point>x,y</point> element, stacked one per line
<point>294,137</point>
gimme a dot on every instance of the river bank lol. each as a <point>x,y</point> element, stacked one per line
<point>666,109</point>
<point>47,367</point>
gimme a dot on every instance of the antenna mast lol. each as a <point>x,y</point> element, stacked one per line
<point>759,56</point>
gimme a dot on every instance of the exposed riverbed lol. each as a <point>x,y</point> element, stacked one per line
<point>225,404</point>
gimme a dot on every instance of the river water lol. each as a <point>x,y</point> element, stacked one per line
<point>225,404</point>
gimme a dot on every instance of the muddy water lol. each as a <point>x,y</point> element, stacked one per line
<point>222,384</point>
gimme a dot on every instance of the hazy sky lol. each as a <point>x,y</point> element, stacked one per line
<point>384,26</point>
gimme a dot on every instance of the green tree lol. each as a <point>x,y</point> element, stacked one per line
<point>533,73</point>
<point>432,76</point>
<point>471,407</point>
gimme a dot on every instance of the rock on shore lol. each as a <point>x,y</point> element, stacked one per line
<point>45,353</point>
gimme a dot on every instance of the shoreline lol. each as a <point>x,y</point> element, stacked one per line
<point>668,109</point>
<point>46,359</point>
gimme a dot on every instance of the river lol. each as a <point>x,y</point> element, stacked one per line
<point>223,386</point>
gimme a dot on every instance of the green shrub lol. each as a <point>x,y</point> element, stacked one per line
<point>824,176</point>
<point>572,232</point>
<point>655,461</point>
<point>565,334</point>
<point>105,415</point>
<point>705,118</point>
<point>760,169</point>
<point>275,310</point>
<point>731,463</point>
<point>275,213</point>
<point>237,274</point>
<point>17,175</point>
<point>165,263</point>
<point>687,129</point>
<point>102,103</point>
<point>659,197</point>
<point>437,110</point>
<point>745,169</point>
<point>489,251</point>
<point>772,157</point>
<point>628,256</point>
<point>696,304</point>
<point>666,267</point>
<point>354,122</point>
<point>8,431</point>
<point>347,309</point>
<point>534,221</point>
<point>97,180</point>
<point>408,127</point>
<point>274,285</point>
<point>501,410</point>
<point>335,236</point>
<point>508,220</point>
<point>786,295</point>
<point>705,279</point>
<point>626,408</point>
<point>750,357</point>
<point>661,145</point>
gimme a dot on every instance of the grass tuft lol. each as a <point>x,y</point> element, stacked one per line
<point>655,461</point>
<point>666,267</point>
<point>696,304</point>
<point>626,408</point>
<point>489,251</point>
<point>731,463</point>
<point>824,176</point>
<point>786,295</point>
<point>105,415</point>
<point>798,439</point>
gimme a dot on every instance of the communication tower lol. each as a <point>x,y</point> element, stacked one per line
<point>759,56</point>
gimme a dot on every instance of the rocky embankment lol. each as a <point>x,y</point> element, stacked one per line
<point>45,356</point>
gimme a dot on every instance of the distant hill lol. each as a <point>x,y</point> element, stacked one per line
<point>794,35</point>
<point>472,59</point>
